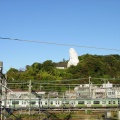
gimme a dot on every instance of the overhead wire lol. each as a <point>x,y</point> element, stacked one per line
<point>53,43</point>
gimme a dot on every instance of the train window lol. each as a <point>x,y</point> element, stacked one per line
<point>45,103</point>
<point>96,102</point>
<point>15,102</point>
<point>80,102</point>
<point>113,102</point>
<point>66,102</point>
<point>51,102</point>
<point>32,102</point>
<point>103,102</point>
<point>109,102</point>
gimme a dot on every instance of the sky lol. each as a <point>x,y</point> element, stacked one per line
<point>76,23</point>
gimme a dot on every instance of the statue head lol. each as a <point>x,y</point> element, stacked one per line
<point>73,54</point>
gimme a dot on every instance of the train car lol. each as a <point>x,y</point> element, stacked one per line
<point>59,103</point>
<point>91,103</point>
<point>97,103</point>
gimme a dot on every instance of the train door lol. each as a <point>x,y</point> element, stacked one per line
<point>103,103</point>
<point>75,103</point>
<point>72,103</point>
<point>24,103</point>
<point>7,103</point>
<point>57,103</point>
<point>89,103</point>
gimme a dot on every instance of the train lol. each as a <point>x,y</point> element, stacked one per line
<point>61,103</point>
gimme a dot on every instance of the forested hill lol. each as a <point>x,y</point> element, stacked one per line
<point>97,66</point>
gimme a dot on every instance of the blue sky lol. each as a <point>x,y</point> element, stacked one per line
<point>79,22</point>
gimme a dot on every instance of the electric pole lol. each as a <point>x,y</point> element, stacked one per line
<point>3,92</point>
<point>1,67</point>
<point>29,97</point>
<point>89,87</point>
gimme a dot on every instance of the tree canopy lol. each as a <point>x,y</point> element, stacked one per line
<point>98,66</point>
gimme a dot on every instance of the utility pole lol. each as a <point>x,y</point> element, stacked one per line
<point>1,67</point>
<point>89,87</point>
<point>29,97</point>
<point>69,92</point>
<point>4,96</point>
<point>3,91</point>
<point>105,88</point>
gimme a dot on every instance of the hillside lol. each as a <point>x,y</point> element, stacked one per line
<point>97,66</point>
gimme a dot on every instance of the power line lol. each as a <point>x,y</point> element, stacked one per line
<point>61,44</point>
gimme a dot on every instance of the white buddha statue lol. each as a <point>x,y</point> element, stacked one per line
<point>73,58</point>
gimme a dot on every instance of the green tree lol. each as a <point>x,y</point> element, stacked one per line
<point>48,66</point>
<point>12,74</point>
